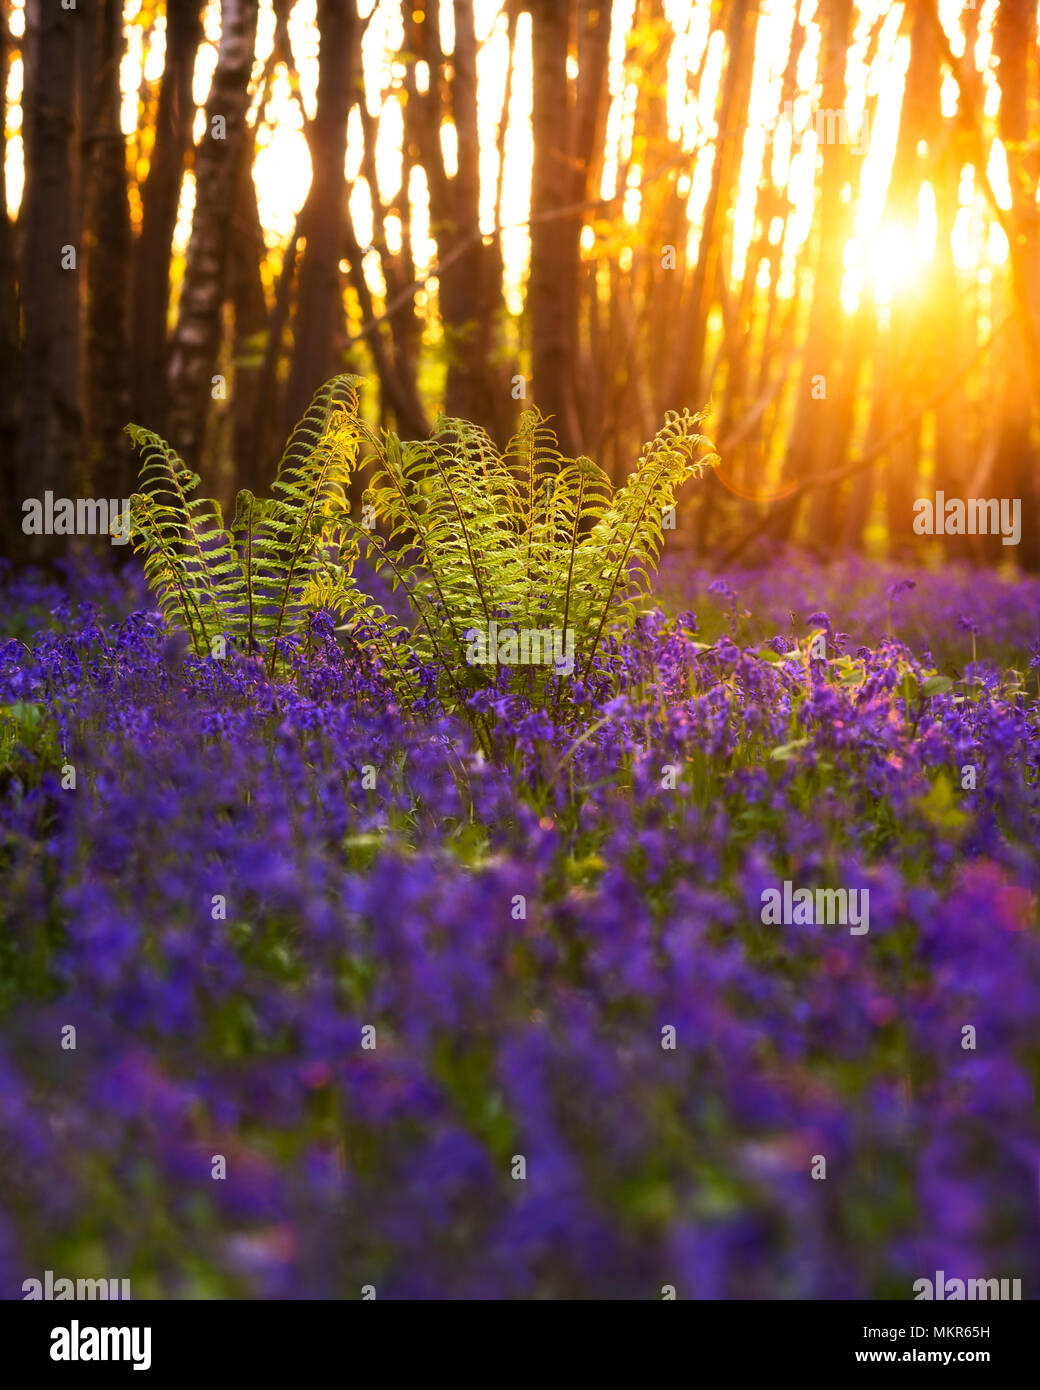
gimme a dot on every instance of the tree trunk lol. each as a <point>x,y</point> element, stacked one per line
<point>816,442</point>
<point>587,140</point>
<point>196,340</point>
<point>10,347</point>
<point>107,252</point>
<point>160,196</point>
<point>320,299</point>
<point>251,327</point>
<point>469,282</point>
<point>1017,463</point>
<point>551,288</point>
<point>691,384</point>
<point>466,393</point>
<point>685,380</point>
<point>51,434</point>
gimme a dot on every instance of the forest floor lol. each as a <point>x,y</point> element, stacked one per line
<point>299,997</point>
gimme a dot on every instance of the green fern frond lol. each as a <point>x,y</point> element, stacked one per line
<point>629,530</point>
<point>250,512</point>
<point>311,494</point>
<point>186,535</point>
<point>481,540</point>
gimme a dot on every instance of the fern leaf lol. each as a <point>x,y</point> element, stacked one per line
<point>186,534</point>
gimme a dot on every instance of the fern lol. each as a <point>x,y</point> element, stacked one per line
<point>311,485</point>
<point>250,583</point>
<point>188,559</point>
<point>522,542</point>
<point>525,539</point>
<point>628,533</point>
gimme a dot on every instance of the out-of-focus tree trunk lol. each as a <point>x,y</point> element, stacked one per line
<point>319,310</point>
<point>954,332</point>
<point>251,325</point>
<point>398,393</point>
<point>1021,250</point>
<point>740,332</point>
<point>1017,469</point>
<point>107,253</point>
<point>466,391</point>
<point>907,338</point>
<point>551,287</point>
<point>631,378</point>
<point>10,346</point>
<point>817,434</point>
<point>258,437</point>
<point>261,447</point>
<point>396,362</point>
<point>196,339</point>
<point>49,229</point>
<point>858,498</point>
<point>399,273</point>
<point>685,387</point>
<point>691,384</point>
<point>469,282</point>
<point>588,118</point>
<point>160,196</point>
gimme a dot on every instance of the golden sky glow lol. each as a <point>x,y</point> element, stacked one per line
<point>880,258</point>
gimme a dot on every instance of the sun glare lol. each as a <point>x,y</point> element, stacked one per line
<point>781,150</point>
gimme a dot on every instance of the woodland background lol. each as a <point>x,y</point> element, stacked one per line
<point>624,205</point>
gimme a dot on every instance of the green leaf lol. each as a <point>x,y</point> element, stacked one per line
<point>936,685</point>
<point>786,751</point>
